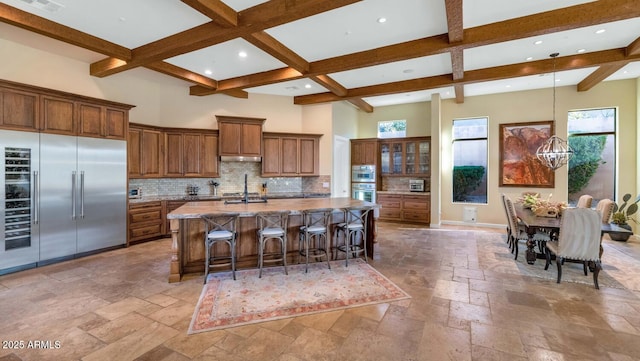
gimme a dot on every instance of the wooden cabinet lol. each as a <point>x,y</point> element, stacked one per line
<point>58,115</point>
<point>19,109</point>
<point>405,156</point>
<point>169,206</point>
<point>364,151</point>
<point>191,154</point>
<point>101,121</point>
<point>145,152</point>
<point>405,208</point>
<point>290,155</point>
<point>29,108</point>
<point>145,221</point>
<point>240,136</point>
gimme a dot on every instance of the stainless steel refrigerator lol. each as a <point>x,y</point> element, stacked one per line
<point>77,200</point>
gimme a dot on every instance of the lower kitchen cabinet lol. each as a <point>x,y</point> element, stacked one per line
<point>170,206</point>
<point>145,221</point>
<point>405,208</point>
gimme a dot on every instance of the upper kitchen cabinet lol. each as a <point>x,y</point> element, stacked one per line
<point>19,109</point>
<point>405,156</point>
<point>191,153</point>
<point>29,108</point>
<point>290,155</point>
<point>100,121</point>
<point>364,151</point>
<point>144,151</point>
<point>240,136</point>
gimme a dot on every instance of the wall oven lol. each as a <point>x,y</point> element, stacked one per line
<point>363,173</point>
<point>364,192</point>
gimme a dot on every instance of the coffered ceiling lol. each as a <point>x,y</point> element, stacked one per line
<point>368,52</point>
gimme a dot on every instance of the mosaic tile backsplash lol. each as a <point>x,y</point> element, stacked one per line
<point>232,180</point>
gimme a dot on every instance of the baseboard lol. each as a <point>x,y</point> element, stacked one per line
<point>468,224</point>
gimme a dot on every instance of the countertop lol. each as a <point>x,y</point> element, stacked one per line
<point>272,195</point>
<point>405,193</point>
<point>197,209</point>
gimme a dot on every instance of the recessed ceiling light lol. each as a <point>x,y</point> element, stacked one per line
<point>208,72</point>
<point>581,50</point>
<point>242,54</point>
<point>537,42</point>
<point>308,86</point>
<point>529,58</point>
<point>600,31</point>
<point>122,19</point>
<point>382,20</point>
<point>507,86</point>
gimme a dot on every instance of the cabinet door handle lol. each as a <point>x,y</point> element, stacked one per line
<point>36,198</point>
<point>73,195</point>
<point>82,194</point>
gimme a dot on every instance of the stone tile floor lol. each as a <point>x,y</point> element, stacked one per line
<point>118,306</point>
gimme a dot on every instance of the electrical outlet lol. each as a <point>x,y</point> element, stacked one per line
<point>325,184</point>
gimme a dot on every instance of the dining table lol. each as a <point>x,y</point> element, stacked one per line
<point>534,223</point>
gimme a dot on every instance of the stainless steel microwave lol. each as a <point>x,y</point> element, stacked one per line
<point>135,193</point>
<point>416,185</point>
<point>363,173</point>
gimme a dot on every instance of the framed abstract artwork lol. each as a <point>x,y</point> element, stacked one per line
<point>519,166</point>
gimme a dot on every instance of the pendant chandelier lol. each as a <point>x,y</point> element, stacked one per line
<point>555,152</point>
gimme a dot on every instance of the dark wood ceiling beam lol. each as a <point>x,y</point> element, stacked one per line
<point>253,80</point>
<point>260,17</point>
<point>457,67</point>
<point>361,104</point>
<point>602,73</point>
<point>332,85</point>
<point>273,47</point>
<point>613,57</point>
<point>597,12</point>
<point>633,48</point>
<point>42,26</point>
<point>459,90</point>
<point>236,93</point>
<point>454,20</point>
<point>181,73</point>
<point>216,10</point>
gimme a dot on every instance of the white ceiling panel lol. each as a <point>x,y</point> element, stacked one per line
<point>397,71</point>
<point>410,97</point>
<point>239,5</point>
<point>355,27</point>
<point>130,23</point>
<point>290,88</point>
<point>224,62</point>
<point>481,12</point>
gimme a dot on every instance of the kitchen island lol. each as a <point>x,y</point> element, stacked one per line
<point>187,229</point>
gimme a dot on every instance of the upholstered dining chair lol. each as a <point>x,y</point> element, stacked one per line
<point>518,230</point>
<point>272,226</point>
<point>605,208</point>
<point>578,240</point>
<point>314,240</point>
<point>584,201</point>
<point>220,228</point>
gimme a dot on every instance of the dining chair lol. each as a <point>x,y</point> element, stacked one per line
<point>272,226</point>
<point>354,229</point>
<point>519,231</point>
<point>578,241</point>
<point>314,240</point>
<point>220,228</point>
<point>584,201</point>
<point>605,208</point>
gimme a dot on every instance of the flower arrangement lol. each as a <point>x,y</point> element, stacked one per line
<point>542,207</point>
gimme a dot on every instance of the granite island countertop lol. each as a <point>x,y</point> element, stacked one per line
<point>408,193</point>
<point>197,209</point>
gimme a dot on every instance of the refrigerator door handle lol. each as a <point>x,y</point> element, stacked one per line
<point>36,198</point>
<point>81,194</point>
<point>73,195</point>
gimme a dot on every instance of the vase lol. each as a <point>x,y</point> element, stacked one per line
<point>621,237</point>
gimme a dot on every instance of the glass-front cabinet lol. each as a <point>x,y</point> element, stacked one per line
<point>407,156</point>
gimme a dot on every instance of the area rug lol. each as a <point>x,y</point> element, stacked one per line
<point>249,299</point>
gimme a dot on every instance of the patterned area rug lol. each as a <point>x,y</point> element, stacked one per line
<point>249,299</point>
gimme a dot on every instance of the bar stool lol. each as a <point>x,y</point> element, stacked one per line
<point>314,235</point>
<point>354,229</point>
<point>220,228</point>
<point>272,226</point>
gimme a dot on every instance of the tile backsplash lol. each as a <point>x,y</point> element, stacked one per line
<point>232,180</point>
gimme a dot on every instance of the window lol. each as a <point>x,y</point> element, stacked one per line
<point>592,168</point>
<point>470,160</point>
<point>392,129</point>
